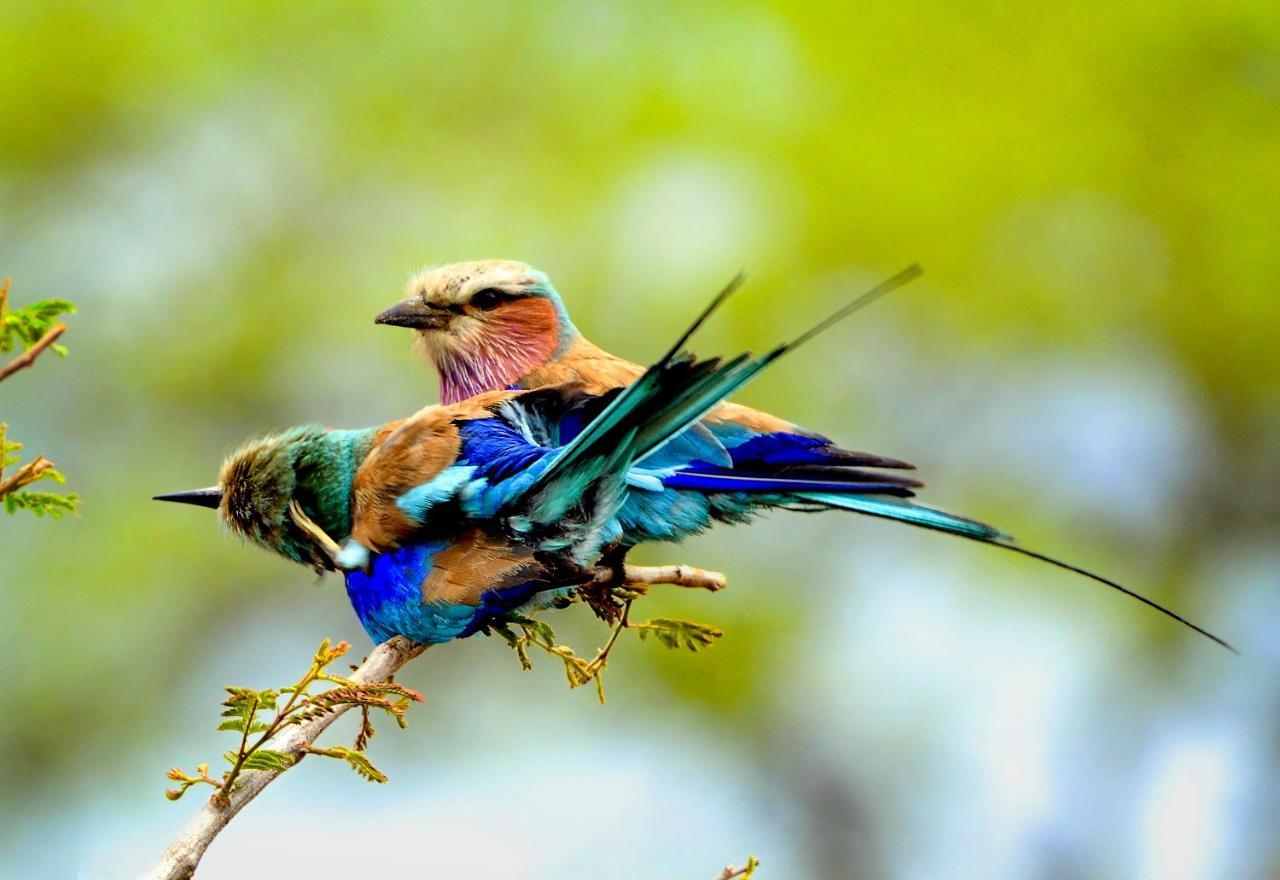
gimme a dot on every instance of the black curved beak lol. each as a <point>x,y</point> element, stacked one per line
<point>416,314</point>
<point>210,497</point>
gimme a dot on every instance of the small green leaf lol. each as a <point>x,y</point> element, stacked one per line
<point>41,504</point>
<point>266,759</point>
<point>361,764</point>
<point>543,631</point>
<point>674,633</point>
<point>237,724</point>
<point>30,322</point>
<point>502,628</point>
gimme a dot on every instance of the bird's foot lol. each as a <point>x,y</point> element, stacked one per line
<point>614,559</point>
<point>603,601</point>
<point>608,593</point>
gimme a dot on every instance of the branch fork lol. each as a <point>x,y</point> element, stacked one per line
<point>181,858</point>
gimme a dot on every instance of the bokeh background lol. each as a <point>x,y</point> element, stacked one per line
<point>232,191</point>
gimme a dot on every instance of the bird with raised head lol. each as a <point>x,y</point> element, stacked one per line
<point>492,324</point>
<point>469,510</point>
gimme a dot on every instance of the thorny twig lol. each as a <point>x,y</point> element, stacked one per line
<point>181,858</point>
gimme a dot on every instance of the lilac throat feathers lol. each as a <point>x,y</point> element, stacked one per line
<point>507,349</point>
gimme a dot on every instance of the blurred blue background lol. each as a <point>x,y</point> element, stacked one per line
<point>231,192</point>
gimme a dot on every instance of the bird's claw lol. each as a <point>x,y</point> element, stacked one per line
<point>608,596</point>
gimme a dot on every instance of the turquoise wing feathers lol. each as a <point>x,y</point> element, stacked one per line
<point>572,473</point>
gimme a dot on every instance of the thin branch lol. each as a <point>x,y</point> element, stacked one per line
<point>670,575</point>
<point>180,860</point>
<point>730,873</point>
<point>28,357</point>
<point>183,855</point>
<point>25,475</point>
<point>602,656</point>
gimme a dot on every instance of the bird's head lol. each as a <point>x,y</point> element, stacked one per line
<point>276,491</point>
<point>484,324</point>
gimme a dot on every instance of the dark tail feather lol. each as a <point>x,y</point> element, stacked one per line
<point>642,390</point>
<point>670,396</point>
<point>889,285</point>
<point>939,520</point>
<point>731,376</point>
<point>762,363</point>
<point>823,481</point>
<point>727,291</point>
<point>758,476</point>
<point>1151,603</point>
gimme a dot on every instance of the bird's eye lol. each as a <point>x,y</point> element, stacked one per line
<point>487,299</point>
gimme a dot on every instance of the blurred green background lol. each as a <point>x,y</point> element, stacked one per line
<point>231,192</point>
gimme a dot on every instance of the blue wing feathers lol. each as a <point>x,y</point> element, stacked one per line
<point>800,448</point>
<point>791,462</point>
<point>388,599</point>
<point>497,449</point>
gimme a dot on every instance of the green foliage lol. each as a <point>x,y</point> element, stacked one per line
<point>262,759</point>
<point>39,503</point>
<point>241,707</point>
<point>42,503</point>
<point>27,326</point>
<point>8,448</point>
<point>356,758</point>
<point>29,323</point>
<point>671,632</point>
<point>258,715</point>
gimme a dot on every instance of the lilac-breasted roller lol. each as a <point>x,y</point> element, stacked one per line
<point>494,324</point>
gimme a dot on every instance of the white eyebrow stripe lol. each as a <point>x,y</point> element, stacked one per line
<point>458,282</point>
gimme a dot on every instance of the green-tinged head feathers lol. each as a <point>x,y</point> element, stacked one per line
<point>310,465</point>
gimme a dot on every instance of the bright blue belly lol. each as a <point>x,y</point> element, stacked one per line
<point>389,602</point>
